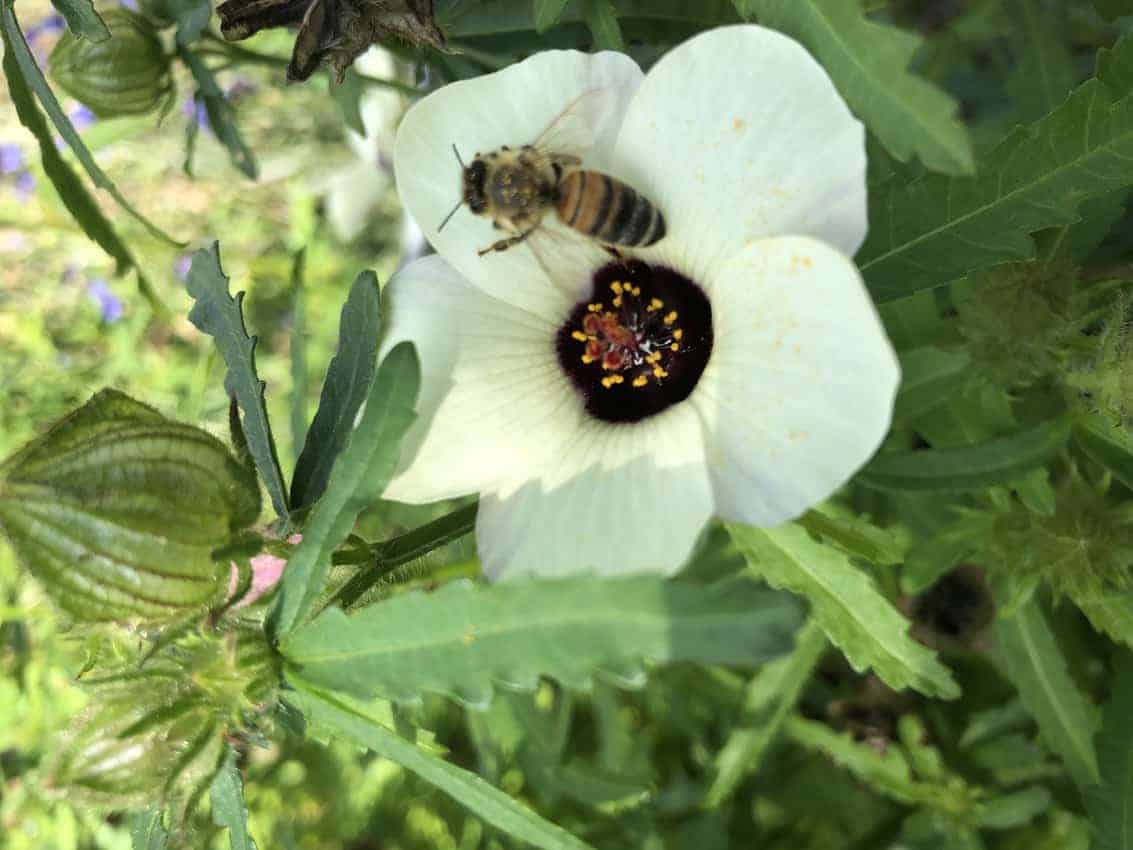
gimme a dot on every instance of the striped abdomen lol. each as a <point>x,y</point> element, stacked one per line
<point>608,210</point>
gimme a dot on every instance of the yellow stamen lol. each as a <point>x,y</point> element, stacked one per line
<point>617,287</point>
<point>587,359</point>
<point>654,305</point>
<point>636,290</point>
<point>678,333</point>
<point>676,346</point>
<point>658,372</point>
<point>594,308</point>
<point>610,380</point>
<point>617,301</point>
<point>579,335</point>
<point>640,381</point>
<point>671,317</point>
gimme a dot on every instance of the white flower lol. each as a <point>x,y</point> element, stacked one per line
<point>740,139</point>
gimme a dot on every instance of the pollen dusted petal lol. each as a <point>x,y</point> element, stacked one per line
<point>799,392</point>
<point>738,134</point>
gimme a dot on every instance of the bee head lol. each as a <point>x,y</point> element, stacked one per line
<point>474,178</point>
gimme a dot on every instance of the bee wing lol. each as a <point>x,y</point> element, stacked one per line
<point>562,254</point>
<point>571,133</point>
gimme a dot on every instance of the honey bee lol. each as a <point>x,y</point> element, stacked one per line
<point>518,188</point>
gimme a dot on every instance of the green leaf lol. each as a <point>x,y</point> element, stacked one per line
<point>228,808</point>
<point>82,19</point>
<point>771,697</point>
<point>463,638</point>
<point>928,376</point>
<point>348,95</point>
<point>1044,68</point>
<point>222,117</point>
<point>298,349</point>
<point>846,603</point>
<point>1011,811</point>
<point>348,380</point>
<point>1110,802</point>
<point>1113,9</point>
<point>959,468</point>
<point>930,559</point>
<point>74,195</point>
<point>546,13</point>
<point>359,476</point>
<point>1030,657</point>
<point>869,64</point>
<point>930,231</point>
<point>1110,613</point>
<point>343,719</point>
<point>1109,446</point>
<point>147,831</point>
<point>602,20</point>
<point>21,57</point>
<point>853,534</point>
<point>219,315</point>
<point>117,510</point>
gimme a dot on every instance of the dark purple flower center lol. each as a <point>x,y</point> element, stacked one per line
<point>640,342</point>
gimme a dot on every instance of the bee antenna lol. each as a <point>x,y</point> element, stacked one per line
<point>458,159</point>
<point>452,212</point>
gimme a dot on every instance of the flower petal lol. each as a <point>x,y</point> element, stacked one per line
<point>510,107</point>
<point>618,499</point>
<point>799,391</point>
<point>492,394</point>
<point>738,134</point>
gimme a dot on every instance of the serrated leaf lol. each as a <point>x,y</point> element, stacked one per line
<point>1109,613</point>
<point>117,510</point>
<point>147,831</point>
<point>770,699</point>
<point>928,376</point>
<point>546,13</point>
<point>222,117</point>
<point>869,63</point>
<point>886,772</point>
<point>21,57</point>
<point>1044,70</point>
<point>1110,802</point>
<point>74,195</point>
<point>958,468</point>
<point>1109,446</point>
<point>219,315</point>
<point>930,231</point>
<point>360,474</point>
<point>228,809</point>
<point>602,19</point>
<point>347,381</point>
<point>82,19</point>
<point>463,639</point>
<point>855,616</point>
<point>348,720</point>
<point>1030,657</point>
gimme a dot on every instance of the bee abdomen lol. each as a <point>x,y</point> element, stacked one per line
<point>608,210</point>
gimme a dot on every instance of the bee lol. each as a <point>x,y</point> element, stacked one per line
<point>518,188</point>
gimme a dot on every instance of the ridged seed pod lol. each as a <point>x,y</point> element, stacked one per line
<point>127,74</point>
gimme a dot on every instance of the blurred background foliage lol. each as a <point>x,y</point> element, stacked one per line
<point>623,767</point>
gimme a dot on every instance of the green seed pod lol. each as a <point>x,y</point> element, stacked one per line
<point>118,510</point>
<point>127,74</point>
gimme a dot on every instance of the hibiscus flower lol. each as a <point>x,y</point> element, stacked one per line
<point>603,407</point>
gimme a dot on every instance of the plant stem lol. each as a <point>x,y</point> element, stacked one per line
<point>385,557</point>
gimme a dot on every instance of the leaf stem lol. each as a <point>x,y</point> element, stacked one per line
<point>385,557</point>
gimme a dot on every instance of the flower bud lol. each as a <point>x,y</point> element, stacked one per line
<point>127,74</point>
<point>118,510</point>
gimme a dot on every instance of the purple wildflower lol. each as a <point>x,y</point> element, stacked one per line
<point>181,267</point>
<point>132,5</point>
<point>48,26</point>
<point>194,109</point>
<point>109,304</point>
<point>25,186</point>
<point>82,117</point>
<point>11,158</point>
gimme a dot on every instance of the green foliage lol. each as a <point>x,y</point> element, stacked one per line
<point>1110,802</point>
<point>869,63</point>
<point>338,716</point>
<point>462,639</point>
<point>228,810</point>
<point>360,474</point>
<point>931,230</point>
<point>117,510</point>
<point>82,19</point>
<point>220,113</point>
<point>856,617</point>
<point>1031,658</point>
<point>219,315</point>
<point>546,13</point>
<point>344,389</point>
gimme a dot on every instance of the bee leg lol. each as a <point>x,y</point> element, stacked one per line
<point>504,244</point>
<point>614,252</point>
